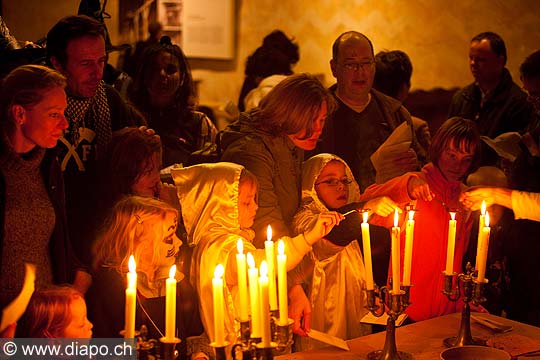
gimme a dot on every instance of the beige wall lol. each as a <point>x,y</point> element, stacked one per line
<point>435,34</point>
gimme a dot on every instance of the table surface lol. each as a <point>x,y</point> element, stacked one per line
<point>423,340</point>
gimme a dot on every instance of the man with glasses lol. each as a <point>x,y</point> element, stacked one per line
<point>365,117</point>
<point>493,100</point>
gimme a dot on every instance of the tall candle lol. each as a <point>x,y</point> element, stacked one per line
<point>366,244</point>
<point>270,255</point>
<point>409,240</point>
<point>483,251</point>
<point>451,244</point>
<point>282,284</point>
<point>131,300</point>
<point>265,305</point>
<point>242,282</point>
<point>219,316</point>
<point>395,254</point>
<point>253,275</point>
<point>481,222</point>
<point>170,304</point>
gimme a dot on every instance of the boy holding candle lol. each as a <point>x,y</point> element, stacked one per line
<point>219,206</point>
<point>334,271</point>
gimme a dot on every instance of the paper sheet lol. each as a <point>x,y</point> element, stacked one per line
<point>369,318</point>
<point>16,308</point>
<point>328,339</point>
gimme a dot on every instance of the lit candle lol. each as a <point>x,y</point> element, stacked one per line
<point>395,254</point>
<point>242,281</point>
<point>483,251</point>
<point>366,244</point>
<point>253,275</point>
<point>170,304</point>
<point>269,250</point>
<point>131,299</point>
<point>265,305</point>
<point>481,222</point>
<point>282,284</point>
<point>219,316</point>
<point>409,239</point>
<point>451,244</point>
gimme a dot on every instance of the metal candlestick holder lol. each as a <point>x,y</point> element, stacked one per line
<point>220,350</point>
<point>168,348</point>
<point>472,291</point>
<point>396,304</point>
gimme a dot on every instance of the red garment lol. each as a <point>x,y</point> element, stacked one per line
<point>430,241</point>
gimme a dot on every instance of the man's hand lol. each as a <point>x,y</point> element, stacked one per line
<point>299,310</point>
<point>382,206</point>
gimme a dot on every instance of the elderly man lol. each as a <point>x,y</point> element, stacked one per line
<point>365,117</point>
<point>76,48</point>
<point>493,101</point>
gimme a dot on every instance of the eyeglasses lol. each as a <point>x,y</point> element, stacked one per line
<point>364,65</point>
<point>335,182</point>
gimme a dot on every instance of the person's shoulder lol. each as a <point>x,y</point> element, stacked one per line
<point>386,101</point>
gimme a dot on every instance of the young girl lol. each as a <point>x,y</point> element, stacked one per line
<point>436,190</point>
<point>219,203</point>
<point>146,229</point>
<point>334,271</point>
<point>58,312</point>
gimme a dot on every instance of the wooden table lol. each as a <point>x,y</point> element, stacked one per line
<point>423,339</point>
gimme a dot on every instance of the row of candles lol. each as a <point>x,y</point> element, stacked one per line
<point>263,293</point>
<point>481,252</point>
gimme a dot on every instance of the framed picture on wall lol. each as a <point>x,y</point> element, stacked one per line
<point>169,14</point>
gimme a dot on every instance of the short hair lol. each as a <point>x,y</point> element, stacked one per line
<point>26,86</point>
<point>134,227</point>
<point>185,94</point>
<point>393,70</point>
<point>128,156</point>
<point>530,68</point>
<point>70,28</point>
<point>344,37</point>
<point>495,41</point>
<point>463,134</point>
<point>293,105</point>
<point>48,313</point>
<point>277,40</point>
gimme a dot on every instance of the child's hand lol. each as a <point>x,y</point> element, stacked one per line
<point>325,222</point>
<point>419,189</point>
<point>382,206</point>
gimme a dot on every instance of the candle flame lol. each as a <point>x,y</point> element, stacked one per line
<point>172,272</point>
<point>453,215</point>
<point>396,218</point>
<point>483,209</point>
<point>263,269</point>
<point>365,214</point>
<point>281,247</point>
<point>411,214</point>
<point>131,264</point>
<point>218,273</point>
<point>240,246</point>
<point>250,260</point>
<point>486,223</point>
<point>269,233</point>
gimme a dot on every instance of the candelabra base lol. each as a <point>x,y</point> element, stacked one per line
<point>381,355</point>
<point>457,341</point>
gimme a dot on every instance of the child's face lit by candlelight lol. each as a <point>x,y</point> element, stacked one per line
<point>247,204</point>
<point>332,195</point>
<point>79,326</point>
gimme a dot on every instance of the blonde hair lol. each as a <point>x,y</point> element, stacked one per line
<point>48,313</point>
<point>134,227</point>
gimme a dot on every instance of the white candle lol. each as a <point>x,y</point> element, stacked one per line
<point>219,316</point>
<point>242,282</point>
<point>270,260</point>
<point>409,240</point>
<point>366,245</point>
<point>483,251</point>
<point>131,300</point>
<point>253,274</point>
<point>170,304</point>
<point>282,284</point>
<point>481,222</point>
<point>451,244</point>
<point>396,232</point>
<point>265,305</point>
